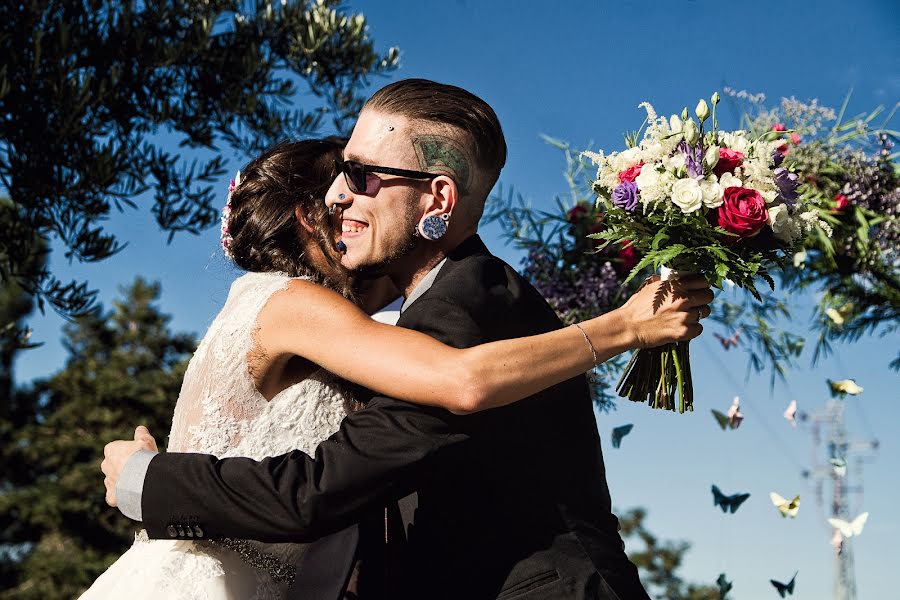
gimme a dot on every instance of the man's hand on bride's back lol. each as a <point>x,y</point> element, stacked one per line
<point>662,312</point>
<point>117,453</point>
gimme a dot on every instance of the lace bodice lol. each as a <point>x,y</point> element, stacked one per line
<point>219,410</point>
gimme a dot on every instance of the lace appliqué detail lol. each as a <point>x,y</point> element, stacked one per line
<point>220,412</point>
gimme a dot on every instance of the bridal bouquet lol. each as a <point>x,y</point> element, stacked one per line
<point>692,199</point>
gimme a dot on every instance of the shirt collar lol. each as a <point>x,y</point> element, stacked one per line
<point>423,286</point>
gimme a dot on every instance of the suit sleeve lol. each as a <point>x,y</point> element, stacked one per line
<point>373,458</point>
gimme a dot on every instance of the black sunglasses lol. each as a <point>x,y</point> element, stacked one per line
<point>359,182</point>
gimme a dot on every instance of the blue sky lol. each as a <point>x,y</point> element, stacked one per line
<point>577,71</point>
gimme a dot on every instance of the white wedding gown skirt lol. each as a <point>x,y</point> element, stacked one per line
<point>220,412</point>
<point>176,569</point>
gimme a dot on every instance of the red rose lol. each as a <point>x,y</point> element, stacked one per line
<point>729,160</point>
<point>840,203</point>
<point>576,212</point>
<point>782,149</point>
<point>743,212</point>
<point>631,173</point>
<point>778,127</point>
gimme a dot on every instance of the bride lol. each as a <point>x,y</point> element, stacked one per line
<point>268,375</point>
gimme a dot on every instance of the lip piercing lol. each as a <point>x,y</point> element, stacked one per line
<point>341,246</point>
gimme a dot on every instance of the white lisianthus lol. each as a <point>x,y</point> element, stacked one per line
<point>686,195</point>
<point>711,158</point>
<point>674,162</point>
<point>728,180</point>
<point>676,125</point>
<point>779,221</point>
<point>736,141</point>
<point>691,132</point>
<point>711,192</point>
<point>769,196</point>
<point>702,110</point>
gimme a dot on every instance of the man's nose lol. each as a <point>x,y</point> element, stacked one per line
<point>338,196</point>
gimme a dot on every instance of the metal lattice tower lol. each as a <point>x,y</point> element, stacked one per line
<point>843,487</point>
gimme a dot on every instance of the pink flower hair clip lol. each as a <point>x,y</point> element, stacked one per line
<point>225,236</point>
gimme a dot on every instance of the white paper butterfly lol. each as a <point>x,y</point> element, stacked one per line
<point>852,528</point>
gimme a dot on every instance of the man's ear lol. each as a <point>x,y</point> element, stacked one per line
<point>444,196</point>
<point>301,218</point>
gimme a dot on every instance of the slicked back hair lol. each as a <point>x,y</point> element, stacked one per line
<point>449,105</point>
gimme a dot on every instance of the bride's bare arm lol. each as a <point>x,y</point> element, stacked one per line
<point>313,322</point>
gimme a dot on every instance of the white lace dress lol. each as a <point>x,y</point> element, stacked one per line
<point>220,412</point>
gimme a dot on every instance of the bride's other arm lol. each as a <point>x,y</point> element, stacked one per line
<point>313,322</point>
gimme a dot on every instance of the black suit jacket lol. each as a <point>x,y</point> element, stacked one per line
<point>512,502</point>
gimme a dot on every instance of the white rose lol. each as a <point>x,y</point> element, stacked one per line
<point>711,191</point>
<point>648,179</point>
<point>728,180</point>
<point>779,217</point>
<point>686,195</point>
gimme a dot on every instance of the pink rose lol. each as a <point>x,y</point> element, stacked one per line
<point>795,138</point>
<point>729,160</point>
<point>840,203</point>
<point>743,212</point>
<point>631,173</point>
<point>778,127</point>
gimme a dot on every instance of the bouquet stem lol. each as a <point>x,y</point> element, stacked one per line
<point>658,376</point>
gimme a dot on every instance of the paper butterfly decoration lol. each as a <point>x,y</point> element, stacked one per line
<point>785,589</point>
<point>849,529</point>
<point>728,342</point>
<point>843,387</point>
<point>724,586</point>
<point>839,465</point>
<point>787,508</point>
<point>618,433</point>
<point>791,413</point>
<point>727,503</point>
<point>733,418</point>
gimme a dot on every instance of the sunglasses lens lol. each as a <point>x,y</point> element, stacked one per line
<point>356,176</point>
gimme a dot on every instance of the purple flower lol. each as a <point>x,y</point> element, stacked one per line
<point>777,158</point>
<point>787,185</point>
<point>693,159</point>
<point>626,195</point>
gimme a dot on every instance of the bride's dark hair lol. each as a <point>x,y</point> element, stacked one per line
<point>265,233</point>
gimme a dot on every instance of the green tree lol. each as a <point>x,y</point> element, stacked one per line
<point>95,93</point>
<point>56,532</point>
<point>658,562</point>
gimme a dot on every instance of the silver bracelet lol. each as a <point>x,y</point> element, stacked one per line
<point>588,340</point>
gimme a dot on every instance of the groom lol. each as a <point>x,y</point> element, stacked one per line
<point>512,502</point>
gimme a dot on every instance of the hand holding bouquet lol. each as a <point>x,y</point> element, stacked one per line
<point>718,204</point>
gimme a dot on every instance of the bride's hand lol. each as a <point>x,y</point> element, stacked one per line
<point>662,312</point>
<point>117,453</point>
